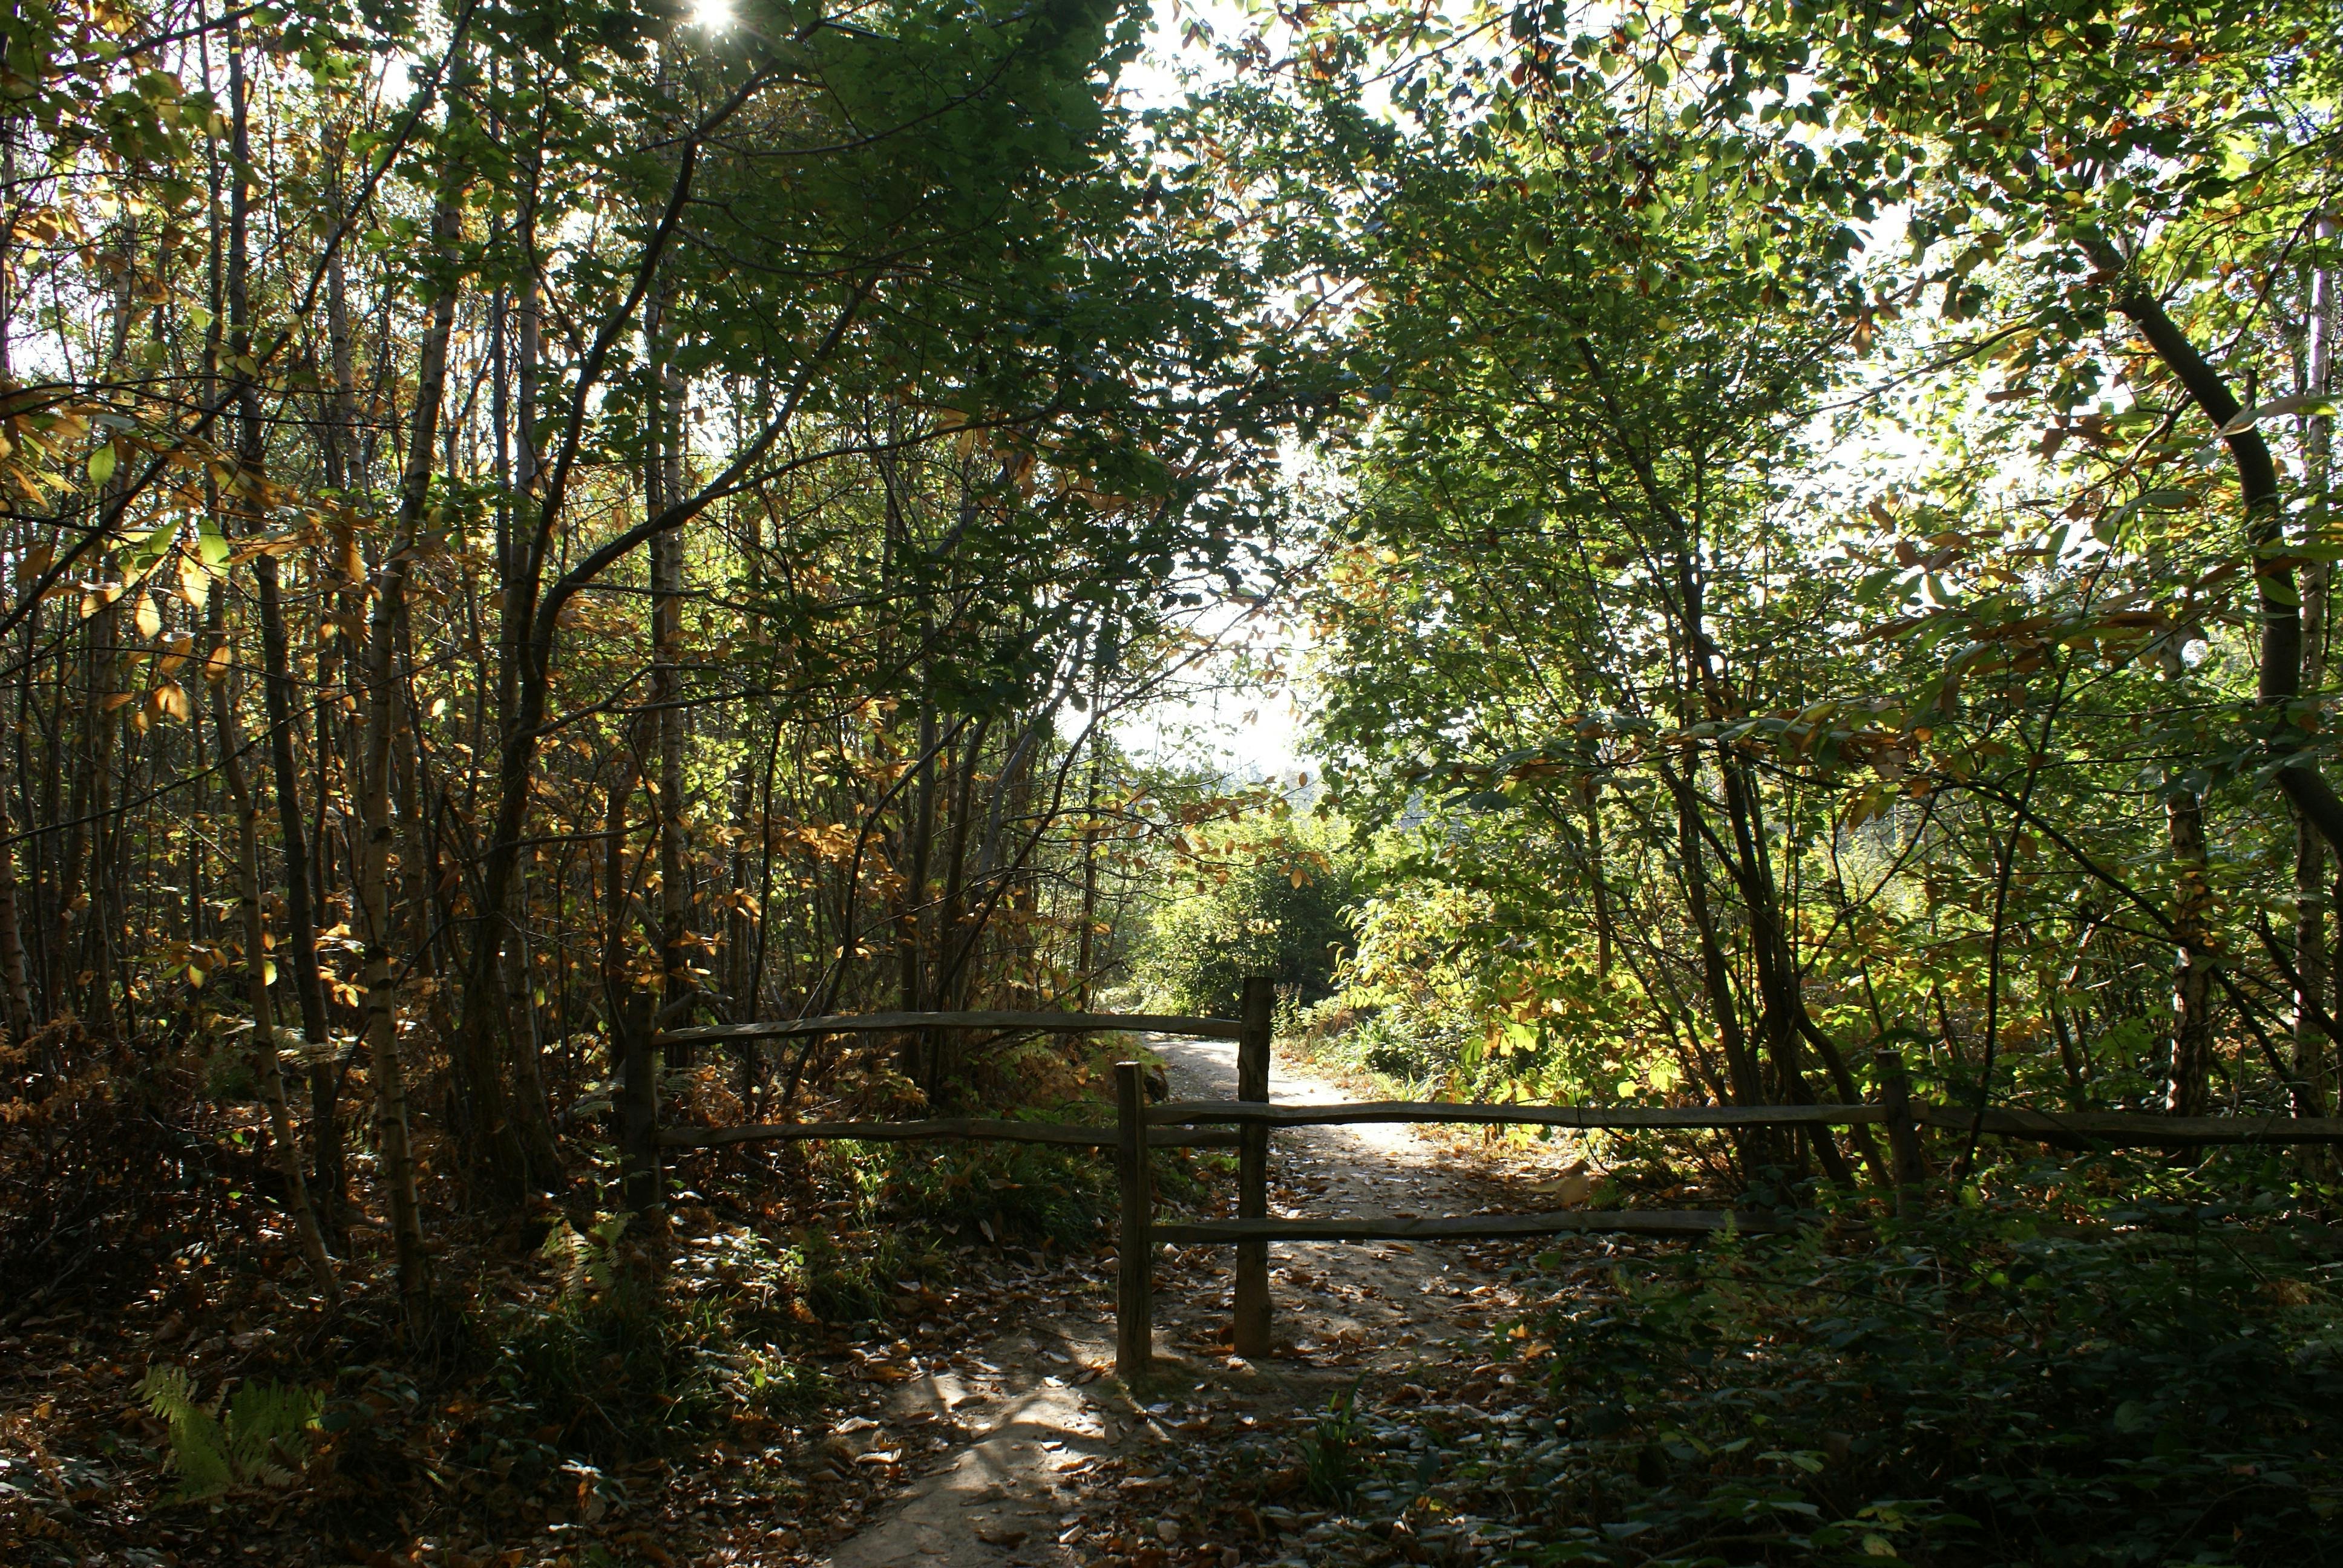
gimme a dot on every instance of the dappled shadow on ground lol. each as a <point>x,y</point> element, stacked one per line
<point>1222,1460</point>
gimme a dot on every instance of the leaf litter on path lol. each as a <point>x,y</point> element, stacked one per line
<point>1213,1469</point>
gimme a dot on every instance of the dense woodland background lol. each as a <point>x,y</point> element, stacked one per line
<point>1798,526</point>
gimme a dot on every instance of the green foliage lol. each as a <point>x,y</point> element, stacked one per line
<point>1277,904</point>
<point>259,1440</point>
<point>1003,1192</point>
<point>2134,1381</point>
<point>851,1277</point>
<point>1784,626</point>
<point>588,1259</point>
<point>623,1365</point>
<point>1331,1468</point>
<point>617,1371</point>
<point>1466,981</point>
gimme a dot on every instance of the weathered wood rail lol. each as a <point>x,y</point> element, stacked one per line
<point>1245,1123</point>
<point>1471,1228</point>
<point>1006,1022</point>
<point>2112,1126</point>
<point>1073,1135</point>
<point>641,1139</point>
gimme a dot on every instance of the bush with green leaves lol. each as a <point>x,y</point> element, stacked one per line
<point>614,1364</point>
<point>1001,1193</point>
<point>1329,1452</point>
<point>1277,906</point>
<point>914,1197</point>
<point>2044,1375</point>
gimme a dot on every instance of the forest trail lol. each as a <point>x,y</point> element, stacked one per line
<point>1056,1445</point>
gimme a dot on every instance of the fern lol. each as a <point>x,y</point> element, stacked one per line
<point>266,1424</point>
<point>257,1443</point>
<point>198,1448</point>
<point>588,1259</point>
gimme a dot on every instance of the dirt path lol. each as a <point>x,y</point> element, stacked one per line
<point>1056,1455</point>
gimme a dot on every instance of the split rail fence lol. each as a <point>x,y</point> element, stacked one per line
<point>1245,1123</point>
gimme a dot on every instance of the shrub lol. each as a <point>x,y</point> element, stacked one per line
<point>849,1277</point>
<point>1027,1192</point>
<point>616,1368</point>
<point>1328,1454</point>
<point>1982,1385</point>
<point>1279,909</point>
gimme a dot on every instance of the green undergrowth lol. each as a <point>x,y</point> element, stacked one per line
<point>623,1361</point>
<point>1006,1194</point>
<point>2047,1374</point>
<point>912,1201</point>
<point>2102,1366</point>
<point>257,1438</point>
<point>1034,1195</point>
<point>624,1357</point>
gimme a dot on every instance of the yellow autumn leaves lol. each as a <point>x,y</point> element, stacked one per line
<point>169,649</point>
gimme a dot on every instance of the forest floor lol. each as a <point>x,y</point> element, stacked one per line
<point>1061,1465</point>
<point>830,1377</point>
<point>976,1423</point>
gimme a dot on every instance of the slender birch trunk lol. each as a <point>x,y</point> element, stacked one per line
<point>2314,1056</point>
<point>663,486</point>
<point>269,1072</point>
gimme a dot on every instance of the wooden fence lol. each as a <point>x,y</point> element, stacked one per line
<point>1244,1123</point>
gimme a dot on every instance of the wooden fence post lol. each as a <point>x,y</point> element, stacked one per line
<point>1903,1132</point>
<point>1248,1336</point>
<point>1134,1302</point>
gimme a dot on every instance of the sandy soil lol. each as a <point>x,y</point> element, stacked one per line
<point>1031,1445</point>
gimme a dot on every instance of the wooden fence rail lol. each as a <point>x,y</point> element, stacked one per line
<point>1354,1112</point>
<point>1073,1135</point>
<point>2134,1129</point>
<point>1245,1123</point>
<point>1252,1231</point>
<point>641,1138</point>
<point>1007,1022</point>
<point>2115,1127</point>
<point>1467,1227</point>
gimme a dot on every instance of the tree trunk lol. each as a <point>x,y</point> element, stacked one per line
<point>627,1015</point>
<point>379,934</point>
<point>2193,958</point>
<point>2277,598</point>
<point>1590,806</point>
<point>1085,959</point>
<point>499,1154</point>
<point>101,722</point>
<point>267,1070</point>
<point>2313,1051</point>
<point>739,937</point>
<point>16,987</point>
<point>277,683</point>
<point>663,486</point>
<point>1757,1146</point>
<point>384,705</point>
